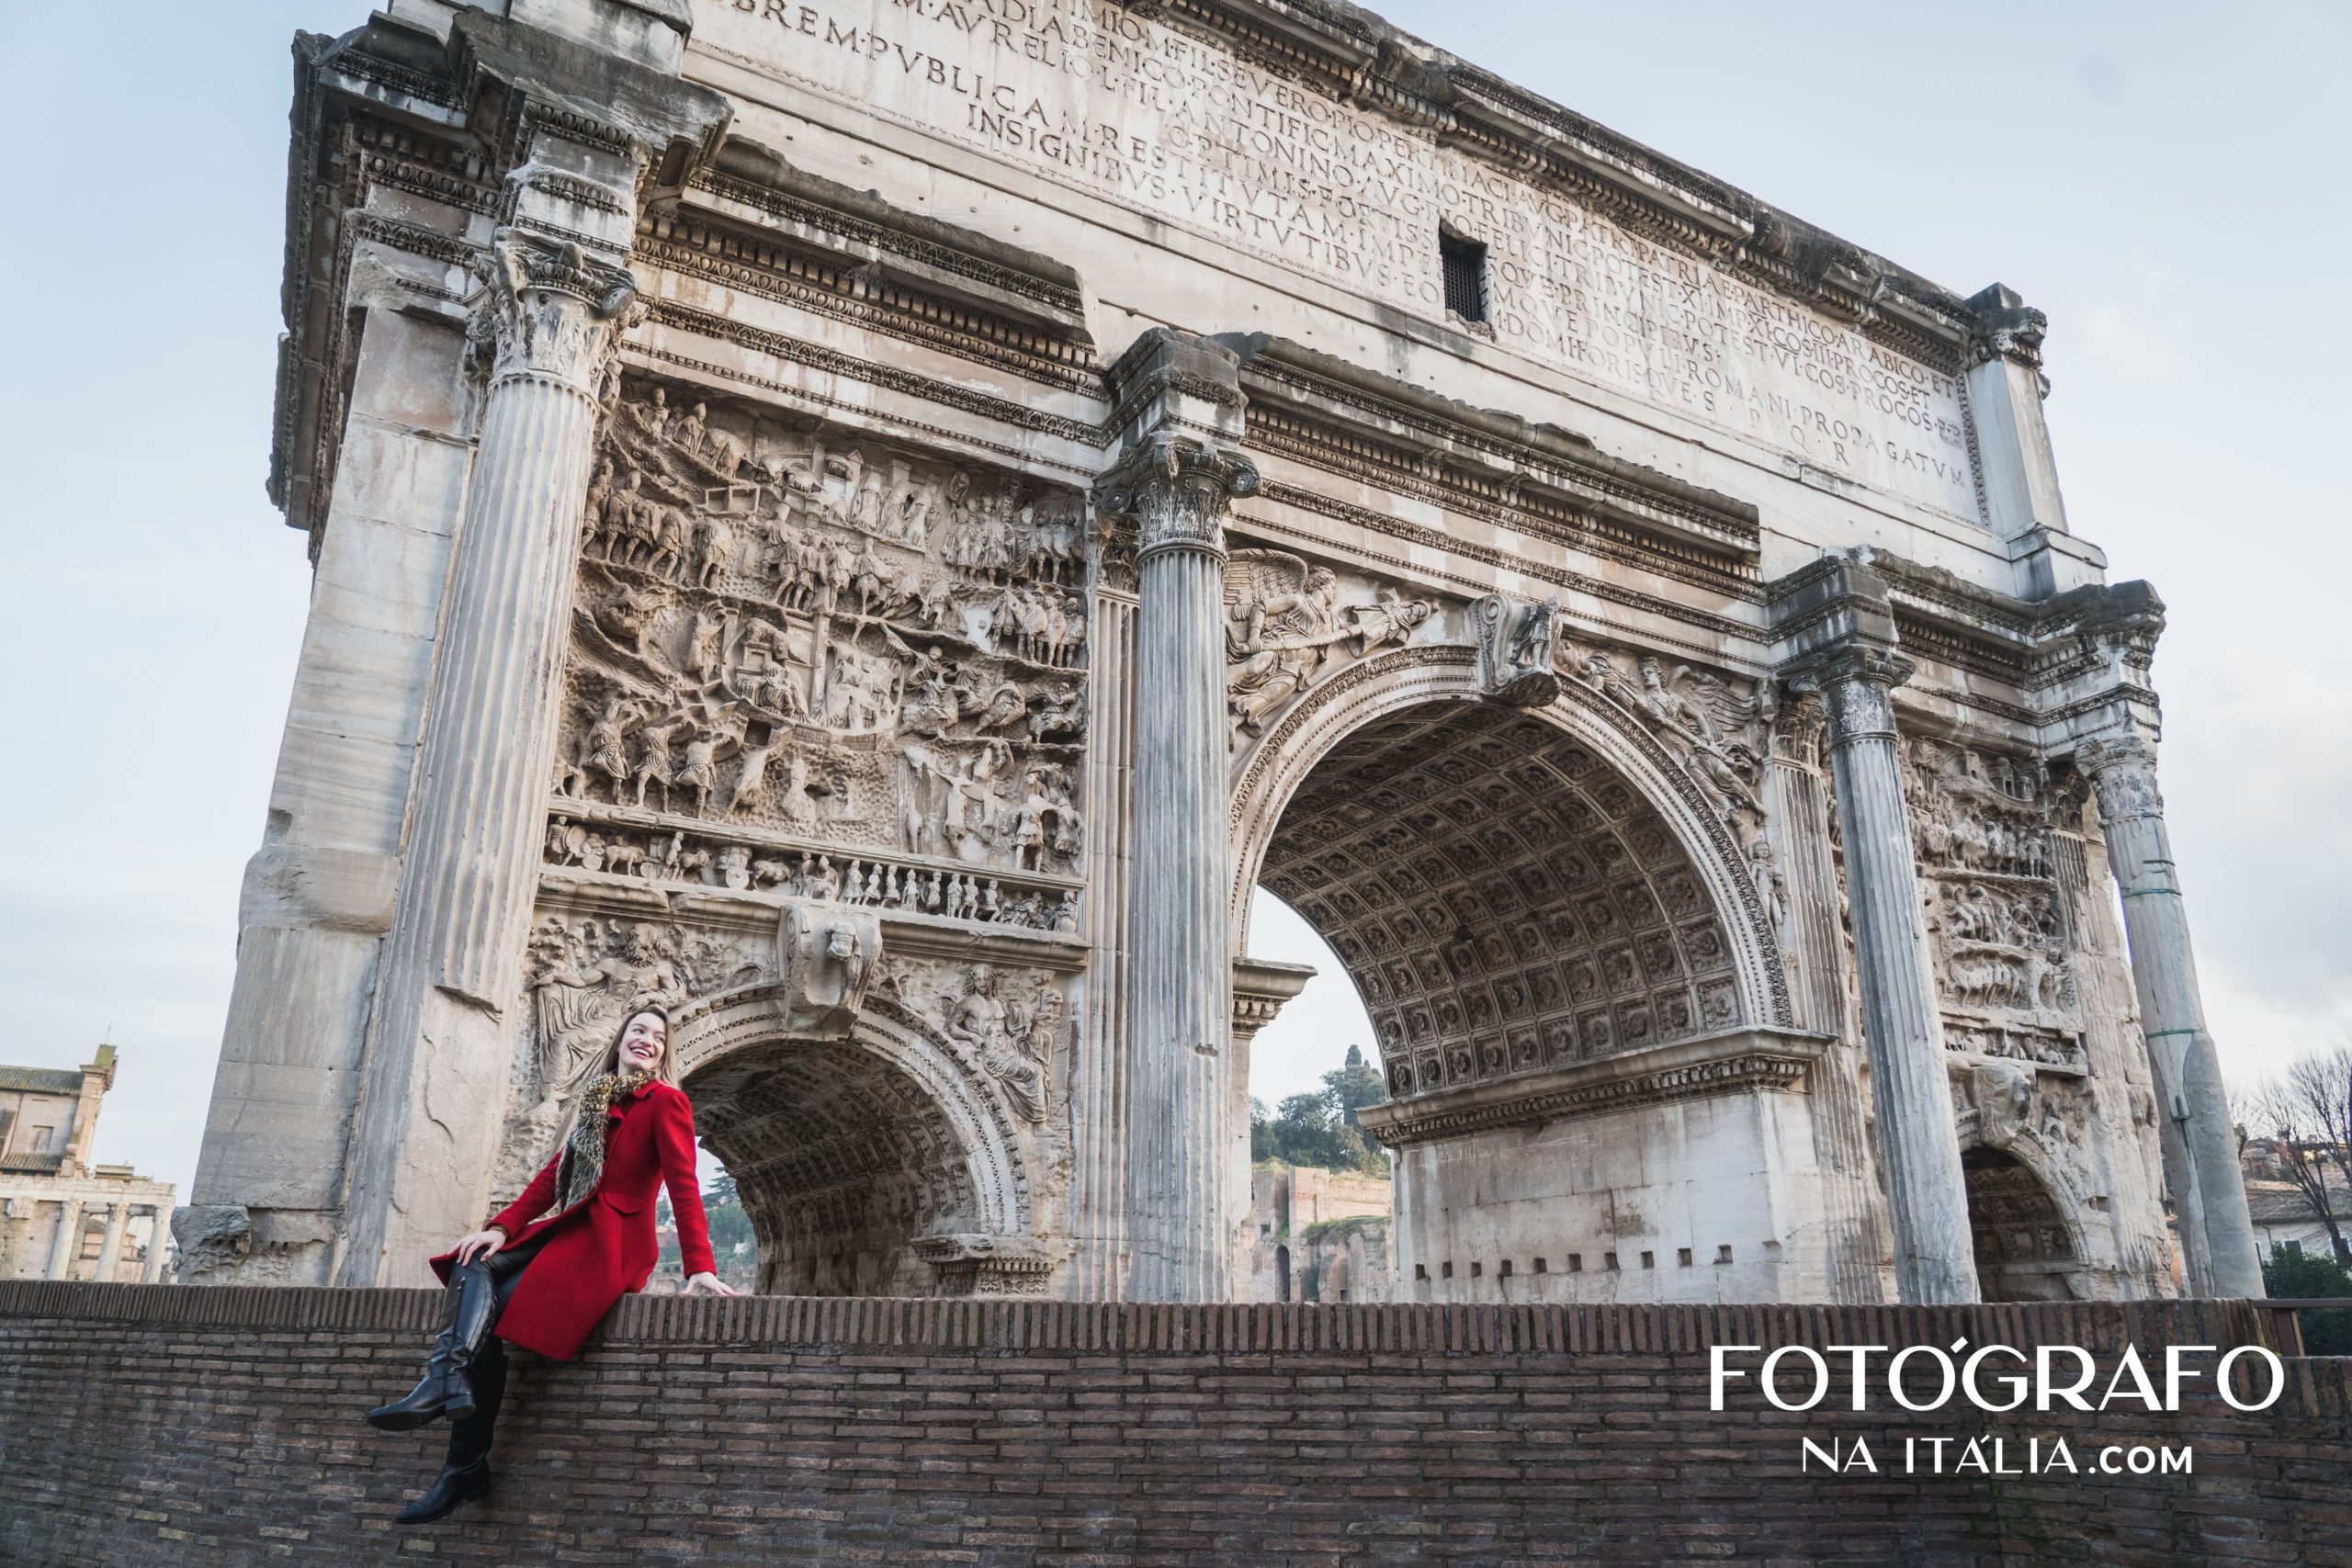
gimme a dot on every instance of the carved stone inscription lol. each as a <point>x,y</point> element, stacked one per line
<point>1099,97</point>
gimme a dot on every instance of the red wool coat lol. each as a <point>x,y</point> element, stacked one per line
<point>604,1246</point>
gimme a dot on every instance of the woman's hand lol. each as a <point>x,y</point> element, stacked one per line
<point>708,1285</point>
<point>481,1243</point>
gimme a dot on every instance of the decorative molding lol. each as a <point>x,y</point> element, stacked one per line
<point>728,261</point>
<point>831,362</point>
<point>1744,1062</point>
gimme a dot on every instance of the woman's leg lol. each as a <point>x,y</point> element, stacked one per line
<point>465,1472</point>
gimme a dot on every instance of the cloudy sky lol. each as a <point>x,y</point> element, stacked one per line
<point>2170,190</point>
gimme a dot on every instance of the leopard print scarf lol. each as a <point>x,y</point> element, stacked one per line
<point>583,1165</point>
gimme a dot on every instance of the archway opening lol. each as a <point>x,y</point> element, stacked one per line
<point>2024,1251</point>
<point>1503,899</point>
<point>843,1162</point>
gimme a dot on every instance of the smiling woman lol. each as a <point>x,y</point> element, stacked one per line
<point>546,1268</point>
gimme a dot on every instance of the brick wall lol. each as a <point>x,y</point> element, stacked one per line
<point>165,1426</point>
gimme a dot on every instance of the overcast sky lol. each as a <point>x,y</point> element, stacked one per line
<point>2170,188</point>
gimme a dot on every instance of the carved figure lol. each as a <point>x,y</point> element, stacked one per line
<point>750,785</point>
<point>825,960</point>
<point>1282,621</point>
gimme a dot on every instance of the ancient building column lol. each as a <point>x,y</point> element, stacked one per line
<point>110,1249</point>
<point>1796,875</point>
<point>2199,1144</point>
<point>158,1244</point>
<point>1935,1260</point>
<point>431,1093</point>
<point>67,1241</point>
<point>1179,1012</point>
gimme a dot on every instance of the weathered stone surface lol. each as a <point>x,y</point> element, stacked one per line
<point>879,534</point>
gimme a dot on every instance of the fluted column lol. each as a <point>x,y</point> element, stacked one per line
<point>67,1241</point>
<point>1179,1014</point>
<point>1935,1258</point>
<point>547,324</point>
<point>2199,1142</point>
<point>159,1240</point>
<point>1798,882</point>
<point>110,1249</point>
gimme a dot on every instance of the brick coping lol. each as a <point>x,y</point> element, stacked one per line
<point>1113,1327</point>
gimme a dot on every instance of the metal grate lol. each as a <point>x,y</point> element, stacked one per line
<point>1465,276</point>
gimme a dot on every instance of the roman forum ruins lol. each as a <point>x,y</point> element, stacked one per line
<point>879,523</point>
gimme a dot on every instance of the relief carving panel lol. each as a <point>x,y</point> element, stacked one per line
<point>822,666</point>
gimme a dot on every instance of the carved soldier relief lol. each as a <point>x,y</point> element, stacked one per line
<point>824,668</point>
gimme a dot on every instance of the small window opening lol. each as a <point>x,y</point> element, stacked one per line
<point>1576,1262</point>
<point>1682,1255</point>
<point>1540,1267</point>
<point>1609,1261</point>
<point>1505,1270</point>
<point>1649,1259</point>
<point>1722,1253</point>
<point>1446,1270</point>
<point>1464,262</point>
<point>1477,1269</point>
<point>1420,1270</point>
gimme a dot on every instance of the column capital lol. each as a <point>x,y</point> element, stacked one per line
<point>2003,326</point>
<point>1855,680</point>
<point>548,311</point>
<point>2123,769</point>
<point>1177,487</point>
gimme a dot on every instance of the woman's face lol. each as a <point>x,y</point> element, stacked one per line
<point>642,1044</point>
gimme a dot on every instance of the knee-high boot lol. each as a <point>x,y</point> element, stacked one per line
<point>465,1474</point>
<point>468,1309</point>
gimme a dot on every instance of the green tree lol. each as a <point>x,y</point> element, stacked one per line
<point>1321,1129</point>
<point>734,1245</point>
<point>2308,1275</point>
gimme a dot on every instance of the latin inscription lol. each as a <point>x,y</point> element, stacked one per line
<point>1109,102</point>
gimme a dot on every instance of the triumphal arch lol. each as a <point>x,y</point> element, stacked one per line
<point>878,523</point>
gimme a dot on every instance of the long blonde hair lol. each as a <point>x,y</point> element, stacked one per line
<point>610,1062</point>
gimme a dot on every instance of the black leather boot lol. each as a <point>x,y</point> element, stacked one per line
<point>468,1309</point>
<point>465,1475</point>
<point>454,1487</point>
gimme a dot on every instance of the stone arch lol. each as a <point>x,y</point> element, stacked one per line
<point>1579,767</point>
<point>848,1153</point>
<point>2025,1217</point>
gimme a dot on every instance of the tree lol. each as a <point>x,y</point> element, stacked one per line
<point>1321,1129</point>
<point>2309,1108</point>
<point>734,1245</point>
<point>2301,1275</point>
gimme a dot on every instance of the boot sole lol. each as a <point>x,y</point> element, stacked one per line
<point>436,1519</point>
<point>410,1420</point>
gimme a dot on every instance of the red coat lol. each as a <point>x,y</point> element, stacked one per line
<point>604,1246</point>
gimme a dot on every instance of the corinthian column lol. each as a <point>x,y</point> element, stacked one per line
<point>434,1080</point>
<point>1935,1258</point>
<point>68,1239</point>
<point>2200,1144</point>
<point>1179,1012</point>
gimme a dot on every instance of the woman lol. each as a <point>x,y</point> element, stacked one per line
<point>543,1283</point>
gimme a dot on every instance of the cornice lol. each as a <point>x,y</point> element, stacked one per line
<point>1508,459</point>
<point>816,356</point>
<point>1495,502</point>
<point>1747,1061</point>
<point>834,216</point>
<point>733,260</point>
<point>1317,502</point>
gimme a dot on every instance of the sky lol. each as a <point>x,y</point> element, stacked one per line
<point>2170,189</point>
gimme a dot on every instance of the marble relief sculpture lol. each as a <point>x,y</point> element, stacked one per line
<point>837,617</point>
